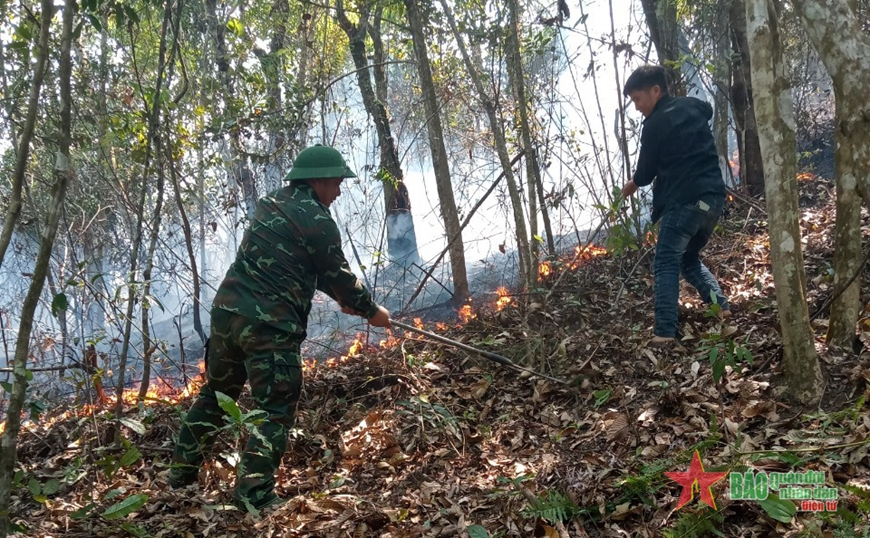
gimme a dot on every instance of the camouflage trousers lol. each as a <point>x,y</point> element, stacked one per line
<point>243,349</point>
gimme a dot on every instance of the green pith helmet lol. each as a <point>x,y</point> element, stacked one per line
<point>319,162</point>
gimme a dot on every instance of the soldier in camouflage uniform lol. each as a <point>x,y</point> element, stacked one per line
<point>259,318</point>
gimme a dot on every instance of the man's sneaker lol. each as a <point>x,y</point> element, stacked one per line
<point>661,340</point>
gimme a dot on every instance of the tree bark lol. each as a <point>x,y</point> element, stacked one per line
<point>722,83</point>
<point>748,149</point>
<point>401,236</point>
<point>844,48</point>
<point>152,112</point>
<point>661,19</point>
<point>447,202</point>
<point>188,241</point>
<point>774,114</point>
<point>147,351</point>
<point>238,171</point>
<point>518,84</point>
<point>62,177</point>
<point>527,277</point>
<point>13,210</point>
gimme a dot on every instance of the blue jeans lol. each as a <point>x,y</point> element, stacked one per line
<point>684,231</point>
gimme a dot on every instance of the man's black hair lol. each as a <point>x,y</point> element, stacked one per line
<point>645,77</point>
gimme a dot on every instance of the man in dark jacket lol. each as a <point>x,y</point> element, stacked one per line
<point>678,152</point>
<point>259,318</point>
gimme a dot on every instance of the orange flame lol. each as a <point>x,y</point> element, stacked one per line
<point>440,326</point>
<point>418,323</point>
<point>544,270</point>
<point>503,299</point>
<point>466,314</point>
<point>806,176</point>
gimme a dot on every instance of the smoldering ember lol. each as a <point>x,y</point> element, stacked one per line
<point>416,269</point>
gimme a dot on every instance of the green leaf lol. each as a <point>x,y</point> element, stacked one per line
<point>33,486</point>
<point>718,370</point>
<point>125,507</point>
<point>779,509</point>
<point>51,487</point>
<point>235,26</point>
<point>5,385</point>
<point>112,494</point>
<point>134,425</point>
<point>82,512</point>
<point>476,531</point>
<point>229,406</point>
<point>95,22</point>
<point>59,304</point>
<point>130,457</point>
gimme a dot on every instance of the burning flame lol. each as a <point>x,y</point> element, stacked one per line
<point>503,299</point>
<point>440,326</point>
<point>544,270</point>
<point>806,176</point>
<point>466,314</point>
<point>418,323</point>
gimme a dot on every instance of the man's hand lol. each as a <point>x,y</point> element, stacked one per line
<point>628,189</point>
<point>381,318</point>
<point>349,311</point>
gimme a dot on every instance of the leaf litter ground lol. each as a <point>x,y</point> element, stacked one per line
<point>417,439</point>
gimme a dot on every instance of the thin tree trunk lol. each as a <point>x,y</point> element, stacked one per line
<point>63,175</point>
<point>775,117</point>
<point>147,351</point>
<point>447,202</point>
<point>527,277</point>
<point>153,116</point>
<point>722,83</point>
<point>272,65</point>
<point>238,171</point>
<point>188,243</point>
<point>401,236</point>
<point>13,210</point>
<point>748,149</point>
<point>844,48</point>
<point>518,84</point>
<point>661,19</point>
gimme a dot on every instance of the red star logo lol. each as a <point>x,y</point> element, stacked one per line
<point>696,475</point>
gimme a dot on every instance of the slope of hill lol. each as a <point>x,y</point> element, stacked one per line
<point>419,439</point>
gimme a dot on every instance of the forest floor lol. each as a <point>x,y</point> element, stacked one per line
<point>419,439</point>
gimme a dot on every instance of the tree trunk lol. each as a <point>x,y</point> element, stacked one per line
<point>152,112</point>
<point>147,352</point>
<point>62,176</point>
<point>661,18</point>
<point>401,236</point>
<point>188,240</point>
<point>722,83</point>
<point>23,153</point>
<point>748,149</point>
<point>447,203</point>
<point>238,171</point>
<point>774,114</point>
<point>518,84</point>
<point>844,48</point>
<point>272,65</point>
<point>527,277</point>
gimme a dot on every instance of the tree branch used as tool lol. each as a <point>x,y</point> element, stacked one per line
<point>465,347</point>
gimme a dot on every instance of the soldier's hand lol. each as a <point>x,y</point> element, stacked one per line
<point>629,188</point>
<point>381,318</point>
<point>349,311</point>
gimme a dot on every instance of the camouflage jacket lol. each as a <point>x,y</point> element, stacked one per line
<point>291,248</point>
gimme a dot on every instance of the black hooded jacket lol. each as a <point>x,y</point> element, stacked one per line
<point>678,152</point>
